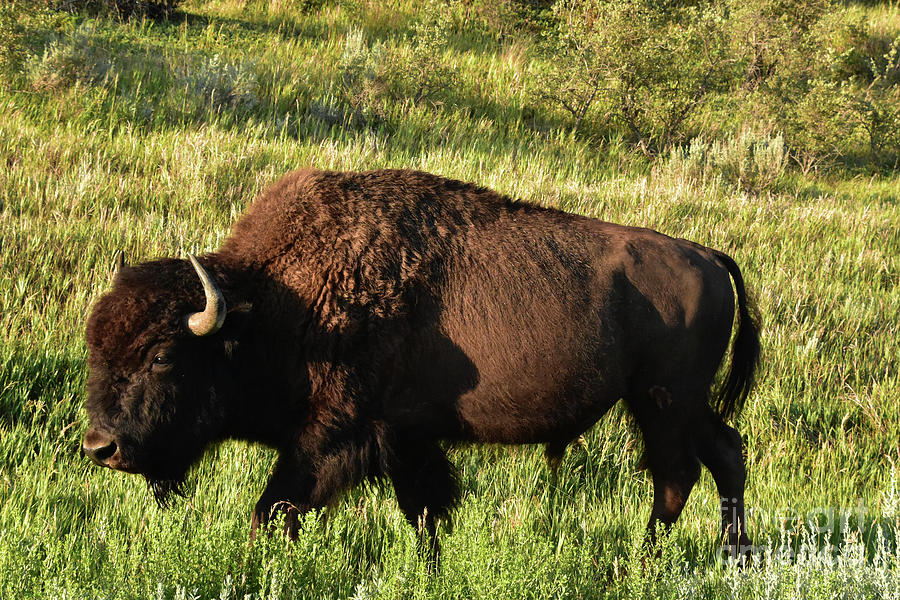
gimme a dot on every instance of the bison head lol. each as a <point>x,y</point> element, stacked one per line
<point>158,372</point>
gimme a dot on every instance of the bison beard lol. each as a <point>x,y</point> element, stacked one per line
<point>358,322</point>
<point>163,489</point>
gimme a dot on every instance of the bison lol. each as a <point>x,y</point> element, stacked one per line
<point>358,322</point>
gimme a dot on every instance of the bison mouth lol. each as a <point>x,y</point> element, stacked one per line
<point>164,489</point>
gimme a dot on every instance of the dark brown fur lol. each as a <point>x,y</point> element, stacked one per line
<point>374,315</point>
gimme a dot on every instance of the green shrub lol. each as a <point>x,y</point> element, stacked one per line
<point>774,41</point>
<point>21,24</point>
<point>867,109</point>
<point>847,49</point>
<point>373,77</point>
<point>424,74</point>
<point>217,83</point>
<point>641,65</point>
<point>364,76</point>
<point>73,58</point>
<point>12,39</point>
<point>828,81</point>
<point>505,19</point>
<point>847,110</point>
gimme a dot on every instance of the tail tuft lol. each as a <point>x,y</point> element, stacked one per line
<point>729,399</point>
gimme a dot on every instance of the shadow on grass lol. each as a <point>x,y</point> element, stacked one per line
<point>379,25</point>
<point>286,28</point>
<point>804,188</point>
<point>33,384</point>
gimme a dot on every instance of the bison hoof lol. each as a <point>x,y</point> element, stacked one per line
<point>740,550</point>
<point>281,515</point>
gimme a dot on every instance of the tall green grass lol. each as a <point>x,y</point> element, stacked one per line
<point>153,137</point>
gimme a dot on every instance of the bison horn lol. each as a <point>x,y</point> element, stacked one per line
<point>120,261</point>
<point>213,316</point>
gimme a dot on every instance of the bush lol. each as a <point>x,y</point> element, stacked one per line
<point>773,41</point>
<point>863,108</point>
<point>847,50</point>
<point>647,70</point>
<point>843,120</point>
<point>12,39</point>
<point>218,84</point>
<point>752,161</point>
<point>847,110</point>
<point>830,83</point>
<point>424,74</point>
<point>364,76</point>
<point>374,77</point>
<point>67,60</point>
<point>640,64</point>
<point>22,26</point>
<point>506,18</point>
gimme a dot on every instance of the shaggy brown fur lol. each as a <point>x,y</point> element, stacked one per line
<point>374,315</point>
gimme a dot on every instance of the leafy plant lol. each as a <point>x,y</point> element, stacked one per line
<point>73,58</point>
<point>218,83</point>
<point>20,24</point>
<point>829,82</point>
<point>373,76</point>
<point>364,75</point>
<point>640,64</point>
<point>874,108</point>
<point>774,41</point>
<point>425,74</point>
<point>12,39</point>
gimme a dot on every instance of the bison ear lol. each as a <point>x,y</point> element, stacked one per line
<point>240,318</point>
<point>239,309</point>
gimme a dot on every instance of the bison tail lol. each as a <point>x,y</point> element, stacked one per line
<point>732,394</point>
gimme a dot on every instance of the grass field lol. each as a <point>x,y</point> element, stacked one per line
<point>153,137</point>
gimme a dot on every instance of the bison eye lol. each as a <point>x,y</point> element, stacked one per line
<point>161,360</point>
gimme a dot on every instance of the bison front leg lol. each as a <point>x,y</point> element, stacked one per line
<point>287,496</point>
<point>426,488</point>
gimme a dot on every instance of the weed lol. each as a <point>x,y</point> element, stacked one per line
<point>218,83</point>
<point>74,58</point>
<point>752,162</point>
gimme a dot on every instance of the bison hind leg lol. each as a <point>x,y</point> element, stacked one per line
<point>667,420</point>
<point>721,450</point>
<point>427,489</point>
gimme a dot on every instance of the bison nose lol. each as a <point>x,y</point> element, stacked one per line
<point>99,446</point>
